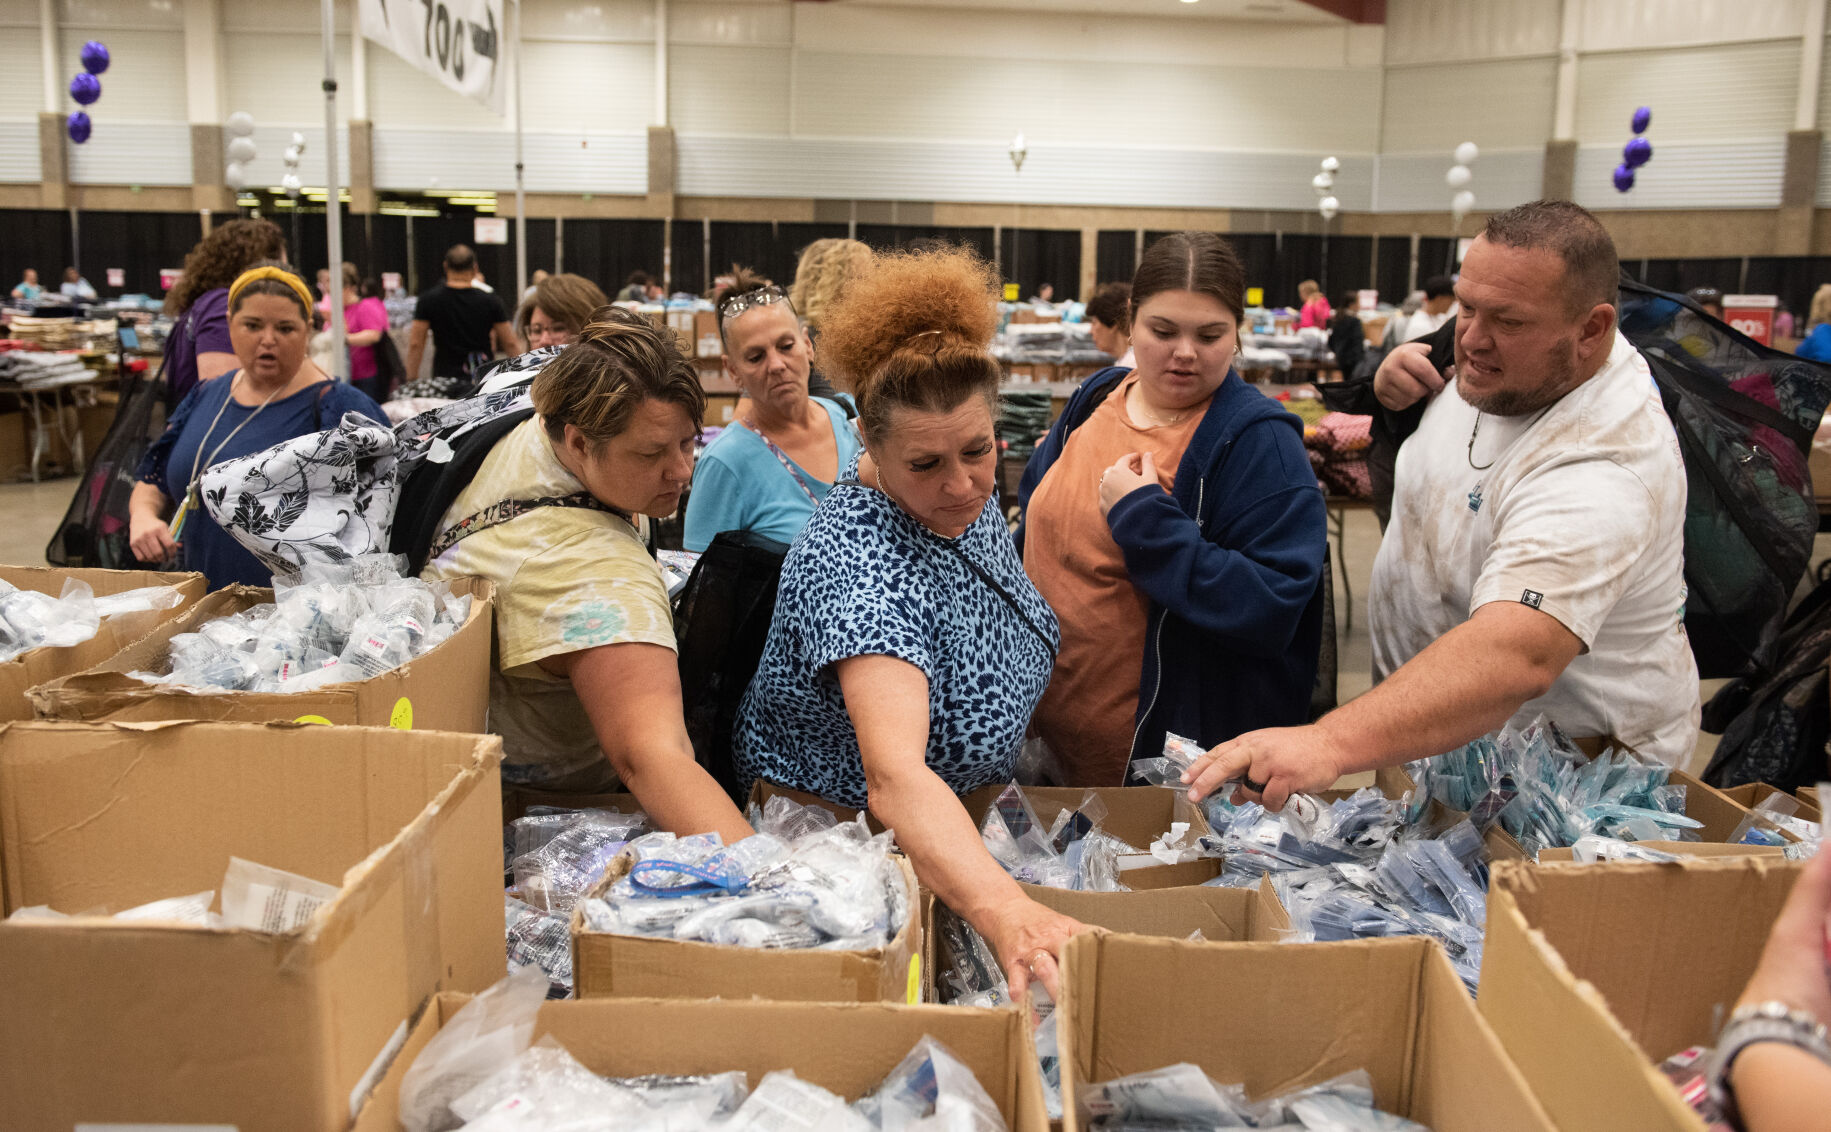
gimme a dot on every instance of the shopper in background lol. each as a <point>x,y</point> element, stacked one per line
<point>324,291</point>
<point>770,469</point>
<point>1347,335</point>
<point>820,278</point>
<point>1314,309</point>
<point>468,326</point>
<point>1817,344</point>
<point>1045,295</point>
<point>908,648</point>
<point>276,394</point>
<point>541,275</point>
<point>585,691</point>
<point>1771,1070</point>
<point>1438,307</point>
<point>635,288</point>
<point>365,320</point>
<point>557,309</point>
<point>198,348</point>
<point>75,286</point>
<point>1708,298</point>
<point>1535,562</point>
<point>1108,315</point>
<point>1173,522</point>
<point>28,288</point>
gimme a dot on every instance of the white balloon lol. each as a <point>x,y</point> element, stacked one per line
<point>1331,165</point>
<point>291,157</point>
<point>1322,183</point>
<point>241,149</point>
<point>235,176</point>
<point>1466,153</point>
<point>297,139</point>
<point>240,124</point>
<point>291,184</point>
<point>1328,206</point>
<point>1462,203</point>
<point>1458,176</point>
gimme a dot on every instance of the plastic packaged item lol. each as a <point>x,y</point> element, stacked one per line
<point>1183,1097</point>
<point>1179,754</point>
<point>1592,847</point>
<point>192,909</point>
<point>931,1082</point>
<point>784,1102</point>
<point>555,875</point>
<point>483,1037</point>
<point>271,900</point>
<point>788,820</point>
<point>542,940</point>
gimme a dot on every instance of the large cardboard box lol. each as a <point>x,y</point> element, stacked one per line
<point>1754,793</point>
<point>847,1048</point>
<point>28,670</point>
<point>621,966</point>
<point>447,689</point>
<point>1592,976</point>
<point>141,1023</point>
<point>1279,1017</point>
<point>1681,848</point>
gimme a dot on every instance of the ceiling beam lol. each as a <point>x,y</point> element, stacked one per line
<point>1359,11</point>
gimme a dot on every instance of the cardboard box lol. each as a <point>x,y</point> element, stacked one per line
<point>1278,1017</point>
<point>621,966</point>
<point>847,1048</point>
<point>1754,793</point>
<point>448,689</point>
<point>30,669</point>
<point>1591,977</point>
<point>1809,795</point>
<point>1704,849</point>
<point>151,1024</point>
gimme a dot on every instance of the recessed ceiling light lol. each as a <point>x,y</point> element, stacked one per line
<point>1188,1</point>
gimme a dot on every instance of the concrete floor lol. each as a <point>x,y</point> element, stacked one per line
<point>29,514</point>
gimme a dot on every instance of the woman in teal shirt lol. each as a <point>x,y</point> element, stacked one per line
<point>773,466</point>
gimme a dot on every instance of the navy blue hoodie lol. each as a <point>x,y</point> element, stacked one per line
<point>1231,560</point>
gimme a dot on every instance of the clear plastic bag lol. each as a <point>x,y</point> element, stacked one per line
<point>271,900</point>
<point>481,1039</point>
<point>542,940</point>
<point>931,1081</point>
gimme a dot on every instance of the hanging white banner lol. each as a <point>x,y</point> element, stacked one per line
<point>459,42</point>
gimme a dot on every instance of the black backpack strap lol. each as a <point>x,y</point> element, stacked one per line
<point>430,489</point>
<point>503,510</point>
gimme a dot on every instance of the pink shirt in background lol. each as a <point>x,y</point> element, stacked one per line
<point>1315,313</point>
<point>367,314</point>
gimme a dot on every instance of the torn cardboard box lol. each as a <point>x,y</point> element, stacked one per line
<point>144,1023</point>
<point>605,965</point>
<point>1391,1007</point>
<point>1276,1018</point>
<point>447,689</point>
<point>30,669</point>
<point>1593,976</point>
<point>847,1048</point>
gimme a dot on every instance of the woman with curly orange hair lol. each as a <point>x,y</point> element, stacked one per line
<point>199,348</point>
<point>908,648</point>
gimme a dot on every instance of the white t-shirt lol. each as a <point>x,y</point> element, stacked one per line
<point>1580,516</point>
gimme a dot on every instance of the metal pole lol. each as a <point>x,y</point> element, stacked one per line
<point>333,192</point>
<point>521,200</point>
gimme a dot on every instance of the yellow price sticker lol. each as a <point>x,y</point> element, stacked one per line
<point>401,719</point>
<point>313,719</point>
<point>1011,292</point>
<point>1255,296</point>
<point>914,992</point>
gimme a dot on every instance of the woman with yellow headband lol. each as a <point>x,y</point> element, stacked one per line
<point>277,394</point>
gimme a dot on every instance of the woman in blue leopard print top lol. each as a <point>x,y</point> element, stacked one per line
<point>908,648</point>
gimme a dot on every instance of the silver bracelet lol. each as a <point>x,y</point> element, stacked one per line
<point>1761,1022</point>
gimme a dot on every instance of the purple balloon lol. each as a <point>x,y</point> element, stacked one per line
<point>85,88</point>
<point>95,57</point>
<point>1637,152</point>
<point>1643,117</point>
<point>1624,178</point>
<point>78,126</point>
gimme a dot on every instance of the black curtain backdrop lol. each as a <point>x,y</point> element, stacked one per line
<point>607,252</point>
<point>1034,256</point>
<point>1436,256</point>
<point>890,237</point>
<point>1394,269</point>
<point>689,272</point>
<point>1116,255</point>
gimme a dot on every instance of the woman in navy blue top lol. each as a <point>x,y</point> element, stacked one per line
<point>276,395</point>
<point>908,648</point>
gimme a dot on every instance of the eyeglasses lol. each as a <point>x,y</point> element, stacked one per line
<point>731,306</point>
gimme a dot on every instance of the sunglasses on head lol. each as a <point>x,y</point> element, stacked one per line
<point>731,306</point>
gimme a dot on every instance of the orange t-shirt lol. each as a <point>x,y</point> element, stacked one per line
<point>1086,716</point>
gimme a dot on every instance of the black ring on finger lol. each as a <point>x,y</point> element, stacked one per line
<point>1255,787</point>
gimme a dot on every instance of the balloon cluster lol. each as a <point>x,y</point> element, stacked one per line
<point>241,149</point>
<point>86,88</point>
<point>1637,152</point>
<point>1459,177</point>
<point>1324,184</point>
<point>295,150</point>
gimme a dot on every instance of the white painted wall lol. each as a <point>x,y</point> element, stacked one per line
<point>919,101</point>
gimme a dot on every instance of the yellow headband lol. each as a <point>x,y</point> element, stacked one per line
<point>256,274</point>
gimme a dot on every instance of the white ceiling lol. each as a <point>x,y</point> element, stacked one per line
<point>1283,11</point>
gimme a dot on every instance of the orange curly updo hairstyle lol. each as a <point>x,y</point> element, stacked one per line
<point>910,331</point>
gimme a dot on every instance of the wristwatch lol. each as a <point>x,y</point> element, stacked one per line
<point>1761,1022</point>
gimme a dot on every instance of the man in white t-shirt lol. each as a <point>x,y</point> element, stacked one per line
<point>1535,562</point>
